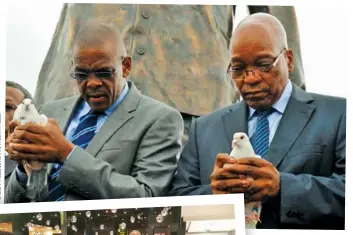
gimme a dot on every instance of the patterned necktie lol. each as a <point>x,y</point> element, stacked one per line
<point>260,139</point>
<point>83,134</point>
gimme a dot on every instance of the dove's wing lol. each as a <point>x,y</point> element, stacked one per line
<point>43,119</point>
<point>18,113</point>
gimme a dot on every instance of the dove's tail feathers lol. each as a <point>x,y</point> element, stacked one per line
<point>252,214</point>
<point>37,185</point>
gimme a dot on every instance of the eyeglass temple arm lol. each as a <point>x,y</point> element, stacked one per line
<point>276,61</point>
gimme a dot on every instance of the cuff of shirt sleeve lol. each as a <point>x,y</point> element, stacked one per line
<point>21,175</point>
<point>73,149</point>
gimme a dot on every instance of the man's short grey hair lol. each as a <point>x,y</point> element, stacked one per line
<point>94,33</point>
<point>17,86</point>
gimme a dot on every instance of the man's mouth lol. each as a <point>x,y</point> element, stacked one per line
<point>95,98</point>
<point>255,94</point>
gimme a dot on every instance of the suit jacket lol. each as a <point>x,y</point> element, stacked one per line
<point>134,154</point>
<point>308,149</point>
<point>9,167</point>
<point>170,46</point>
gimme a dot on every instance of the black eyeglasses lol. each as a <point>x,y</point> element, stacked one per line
<point>238,72</point>
<point>10,107</point>
<point>100,74</point>
<point>82,75</point>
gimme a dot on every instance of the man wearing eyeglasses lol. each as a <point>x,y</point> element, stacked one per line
<point>110,141</point>
<point>300,137</point>
<point>15,94</point>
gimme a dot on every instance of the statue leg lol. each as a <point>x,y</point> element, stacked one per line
<point>287,16</point>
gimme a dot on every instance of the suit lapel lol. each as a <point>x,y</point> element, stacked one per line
<point>9,166</point>
<point>297,114</point>
<point>116,120</point>
<point>64,117</point>
<point>235,120</point>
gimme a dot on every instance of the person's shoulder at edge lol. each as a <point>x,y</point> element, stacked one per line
<point>335,103</point>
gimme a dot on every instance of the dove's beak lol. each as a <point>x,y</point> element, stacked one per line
<point>234,142</point>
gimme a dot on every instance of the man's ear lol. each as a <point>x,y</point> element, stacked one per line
<point>290,60</point>
<point>126,65</point>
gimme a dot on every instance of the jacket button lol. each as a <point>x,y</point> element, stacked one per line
<point>145,14</point>
<point>141,50</point>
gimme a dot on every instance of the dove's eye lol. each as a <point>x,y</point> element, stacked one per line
<point>242,137</point>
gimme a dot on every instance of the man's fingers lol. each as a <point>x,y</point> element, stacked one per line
<point>8,140</point>
<point>32,127</point>
<point>216,191</point>
<point>223,158</point>
<point>259,196</point>
<point>225,184</point>
<point>26,135</point>
<point>18,156</point>
<point>249,170</point>
<point>52,121</point>
<point>29,156</point>
<point>222,173</point>
<point>237,190</point>
<point>253,161</point>
<point>29,148</point>
<point>17,141</point>
<point>13,124</point>
<point>258,190</point>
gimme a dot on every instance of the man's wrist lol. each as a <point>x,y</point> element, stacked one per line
<point>68,156</point>
<point>66,152</point>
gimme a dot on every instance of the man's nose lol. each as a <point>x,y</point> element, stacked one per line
<point>251,77</point>
<point>92,81</point>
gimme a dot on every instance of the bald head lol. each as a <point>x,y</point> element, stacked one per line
<point>261,60</point>
<point>267,26</point>
<point>100,35</point>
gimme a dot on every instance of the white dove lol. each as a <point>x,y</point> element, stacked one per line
<point>37,184</point>
<point>242,148</point>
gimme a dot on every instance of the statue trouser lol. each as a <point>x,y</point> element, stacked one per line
<point>187,123</point>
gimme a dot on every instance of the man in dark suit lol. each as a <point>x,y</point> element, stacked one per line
<point>300,136</point>
<point>15,94</point>
<point>109,142</point>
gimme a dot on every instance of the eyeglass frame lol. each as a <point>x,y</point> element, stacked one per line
<point>274,64</point>
<point>89,72</point>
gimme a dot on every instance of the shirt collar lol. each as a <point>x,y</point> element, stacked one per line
<point>86,108</point>
<point>281,104</point>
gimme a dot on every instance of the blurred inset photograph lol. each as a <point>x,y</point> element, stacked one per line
<point>178,220</point>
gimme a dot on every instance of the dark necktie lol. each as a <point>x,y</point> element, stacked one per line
<point>261,138</point>
<point>83,134</point>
